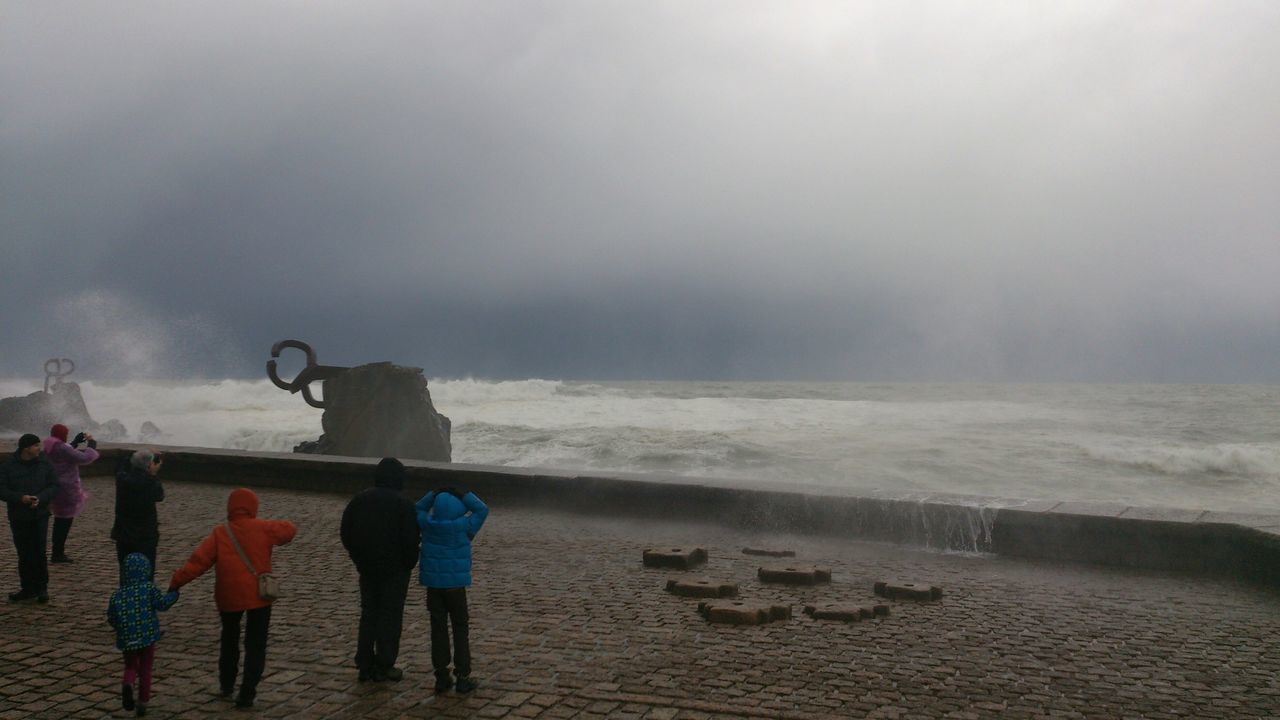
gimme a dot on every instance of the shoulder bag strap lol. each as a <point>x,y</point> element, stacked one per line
<point>236,544</point>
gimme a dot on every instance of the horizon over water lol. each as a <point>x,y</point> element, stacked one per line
<point>1197,446</point>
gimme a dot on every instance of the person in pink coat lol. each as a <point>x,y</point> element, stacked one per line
<point>67,459</point>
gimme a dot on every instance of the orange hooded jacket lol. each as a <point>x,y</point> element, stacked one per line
<point>235,588</point>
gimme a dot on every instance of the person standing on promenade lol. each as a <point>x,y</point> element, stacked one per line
<point>67,459</point>
<point>239,551</point>
<point>28,484</point>
<point>380,532</point>
<point>449,522</point>
<point>137,526</point>
<point>132,612</point>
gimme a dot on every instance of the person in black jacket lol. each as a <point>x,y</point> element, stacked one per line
<point>27,484</point>
<point>138,489</point>
<point>380,533</point>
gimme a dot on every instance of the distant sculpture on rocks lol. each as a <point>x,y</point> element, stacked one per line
<point>59,402</point>
<point>374,410</point>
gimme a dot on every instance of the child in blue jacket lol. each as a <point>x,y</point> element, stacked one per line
<point>132,611</point>
<point>449,521</point>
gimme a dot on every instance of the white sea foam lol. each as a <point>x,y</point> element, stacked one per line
<point>1192,446</point>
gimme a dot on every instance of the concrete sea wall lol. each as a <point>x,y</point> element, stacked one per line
<point>1207,542</point>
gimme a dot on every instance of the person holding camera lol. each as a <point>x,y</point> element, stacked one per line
<point>137,526</point>
<point>28,484</point>
<point>449,521</point>
<point>67,459</point>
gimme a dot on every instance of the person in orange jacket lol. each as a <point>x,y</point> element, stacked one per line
<point>235,588</point>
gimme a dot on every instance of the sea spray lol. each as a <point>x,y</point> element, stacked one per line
<point>1215,447</point>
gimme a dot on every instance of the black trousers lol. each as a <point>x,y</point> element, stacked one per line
<point>449,607</point>
<point>255,649</point>
<point>381,617</point>
<point>61,527</point>
<point>125,547</point>
<point>30,539</point>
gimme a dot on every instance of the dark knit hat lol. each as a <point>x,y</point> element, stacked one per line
<point>390,473</point>
<point>27,441</point>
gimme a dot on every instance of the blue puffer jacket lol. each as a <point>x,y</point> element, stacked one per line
<point>447,531</point>
<point>133,609</point>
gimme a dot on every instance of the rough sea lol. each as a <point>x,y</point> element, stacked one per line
<point>1195,446</point>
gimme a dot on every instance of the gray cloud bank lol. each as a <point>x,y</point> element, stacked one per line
<point>862,191</point>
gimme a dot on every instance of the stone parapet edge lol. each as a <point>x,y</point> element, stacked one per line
<point>1204,542</point>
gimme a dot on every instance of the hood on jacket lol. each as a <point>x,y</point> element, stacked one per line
<point>49,443</point>
<point>137,569</point>
<point>447,507</point>
<point>389,474</point>
<point>60,431</point>
<point>242,503</point>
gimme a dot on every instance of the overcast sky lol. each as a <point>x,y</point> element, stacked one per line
<point>1023,191</point>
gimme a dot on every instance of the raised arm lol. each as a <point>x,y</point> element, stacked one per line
<point>281,532</point>
<point>68,453</point>
<point>479,511</point>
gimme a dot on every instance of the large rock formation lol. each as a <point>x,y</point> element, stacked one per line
<point>37,412</point>
<point>381,410</point>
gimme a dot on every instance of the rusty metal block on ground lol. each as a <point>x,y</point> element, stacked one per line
<point>768,552</point>
<point>701,587</point>
<point>736,612</point>
<point>904,590</point>
<point>680,558</point>
<point>795,574</point>
<point>848,612</point>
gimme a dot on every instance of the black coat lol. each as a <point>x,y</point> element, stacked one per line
<point>380,531</point>
<point>29,477</point>
<point>136,496</point>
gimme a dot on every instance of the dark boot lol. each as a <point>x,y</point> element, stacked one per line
<point>466,685</point>
<point>126,696</point>
<point>444,681</point>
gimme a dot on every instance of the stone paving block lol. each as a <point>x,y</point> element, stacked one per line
<point>682,558</point>
<point>907,590</point>
<point>766,552</point>
<point>701,587</point>
<point>847,612</point>
<point>794,574</point>
<point>737,612</point>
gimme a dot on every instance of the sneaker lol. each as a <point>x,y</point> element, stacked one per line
<point>444,682</point>
<point>126,696</point>
<point>465,685</point>
<point>394,674</point>
<point>142,709</point>
<point>60,559</point>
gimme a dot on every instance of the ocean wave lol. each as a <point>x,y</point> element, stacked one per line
<point>1245,459</point>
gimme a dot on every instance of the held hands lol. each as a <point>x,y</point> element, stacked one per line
<point>31,501</point>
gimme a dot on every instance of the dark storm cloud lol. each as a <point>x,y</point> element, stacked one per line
<point>823,190</point>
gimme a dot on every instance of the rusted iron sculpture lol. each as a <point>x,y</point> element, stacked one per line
<point>53,371</point>
<point>309,374</point>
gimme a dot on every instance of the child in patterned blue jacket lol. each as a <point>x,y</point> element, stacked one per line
<point>449,521</point>
<point>132,611</point>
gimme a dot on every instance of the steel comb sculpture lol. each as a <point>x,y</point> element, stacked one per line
<point>53,370</point>
<point>309,374</point>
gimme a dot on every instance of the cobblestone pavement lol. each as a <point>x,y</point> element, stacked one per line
<point>566,623</point>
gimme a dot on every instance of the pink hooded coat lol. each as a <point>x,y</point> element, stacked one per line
<point>66,463</point>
